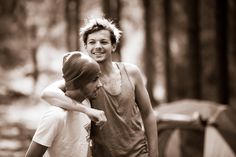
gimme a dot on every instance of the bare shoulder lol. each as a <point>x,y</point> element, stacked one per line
<point>131,68</point>
<point>134,72</point>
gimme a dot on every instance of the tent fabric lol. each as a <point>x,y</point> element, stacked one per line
<point>225,123</point>
<point>219,116</point>
<point>215,145</point>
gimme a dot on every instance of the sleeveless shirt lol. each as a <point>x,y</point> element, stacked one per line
<point>123,134</point>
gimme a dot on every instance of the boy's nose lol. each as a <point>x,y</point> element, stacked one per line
<point>98,45</point>
<point>99,84</point>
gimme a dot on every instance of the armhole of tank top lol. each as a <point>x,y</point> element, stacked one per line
<point>90,101</point>
<point>127,74</point>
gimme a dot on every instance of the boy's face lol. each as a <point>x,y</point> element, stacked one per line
<point>87,91</point>
<point>90,89</point>
<point>99,45</point>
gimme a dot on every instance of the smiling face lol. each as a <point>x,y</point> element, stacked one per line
<point>99,45</point>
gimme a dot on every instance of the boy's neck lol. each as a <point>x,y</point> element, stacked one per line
<point>106,67</point>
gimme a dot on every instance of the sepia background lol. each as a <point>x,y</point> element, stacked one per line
<point>186,50</point>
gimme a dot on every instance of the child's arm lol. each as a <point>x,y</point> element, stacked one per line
<point>54,95</point>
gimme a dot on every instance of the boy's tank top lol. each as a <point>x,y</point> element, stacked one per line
<point>123,134</point>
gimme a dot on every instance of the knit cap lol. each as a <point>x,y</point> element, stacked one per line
<point>78,70</point>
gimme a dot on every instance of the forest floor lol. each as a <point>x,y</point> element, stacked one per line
<point>18,121</point>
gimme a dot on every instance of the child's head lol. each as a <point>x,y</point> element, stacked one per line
<point>79,70</point>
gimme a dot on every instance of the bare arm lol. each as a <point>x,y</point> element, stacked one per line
<point>35,150</point>
<point>54,95</point>
<point>147,113</point>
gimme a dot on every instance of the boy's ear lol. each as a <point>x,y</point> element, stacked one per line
<point>113,47</point>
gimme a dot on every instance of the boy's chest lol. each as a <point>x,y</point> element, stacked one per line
<point>112,84</point>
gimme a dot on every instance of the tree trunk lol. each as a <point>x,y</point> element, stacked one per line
<point>13,34</point>
<point>193,49</point>
<point>222,50</point>
<point>72,19</point>
<point>149,54</point>
<point>208,50</point>
<point>191,140</point>
<point>34,50</point>
<point>166,5</point>
<point>232,52</point>
<point>112,10</point>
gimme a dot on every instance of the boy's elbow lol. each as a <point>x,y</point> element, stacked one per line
<point>42,95</point>
<point>46,94</point>
<point>53,91</point>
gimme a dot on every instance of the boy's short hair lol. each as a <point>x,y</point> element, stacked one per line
<point>97,24</point>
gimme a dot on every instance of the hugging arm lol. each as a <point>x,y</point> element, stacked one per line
<point>54,95</point>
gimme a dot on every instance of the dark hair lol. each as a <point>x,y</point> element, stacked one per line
<point>94,25</point>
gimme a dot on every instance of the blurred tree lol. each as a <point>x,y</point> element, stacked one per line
<point>13,45</point>
<point>192,141</point>
<point>72,19</point>
<point>193,49</point>
<point>34,50</point>
<point>112,10</point>
<point>166,36</point>
<point>208,50</point>
<point>232,52</point>
<point>222,50</point>
<point>149,52</point>
<point>178,40</point>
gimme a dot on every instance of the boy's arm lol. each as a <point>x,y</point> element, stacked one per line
<point>148,116</point>
<point>149,119</point>
<point>54,95</point>
<point>35,150</point>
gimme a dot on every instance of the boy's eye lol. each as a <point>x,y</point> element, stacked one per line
<point>104,42</point>
<point>95,79</point>
<point>91,42</point>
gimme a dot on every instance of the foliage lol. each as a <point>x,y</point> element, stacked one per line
<point>12,33</point>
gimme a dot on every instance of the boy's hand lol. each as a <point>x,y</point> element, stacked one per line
<point>97,116</point>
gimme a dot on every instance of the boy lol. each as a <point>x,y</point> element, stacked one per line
<point>62,133</point>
